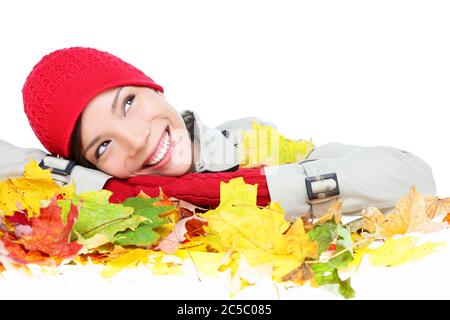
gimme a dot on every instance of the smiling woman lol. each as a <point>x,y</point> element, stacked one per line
<point>109,115</point>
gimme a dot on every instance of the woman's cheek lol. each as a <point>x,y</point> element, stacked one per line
<point>115,167</point>
<point>181,151</point>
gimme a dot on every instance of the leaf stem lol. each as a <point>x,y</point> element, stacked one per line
<point>195,265</point>
<point>340,252</point>
<point>104,224</point>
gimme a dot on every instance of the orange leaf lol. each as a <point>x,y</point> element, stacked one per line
<point>142,194</point>
<point>447,218</point>
<point>17,253</point>
<point>51,235</point>
<point>164,202</point>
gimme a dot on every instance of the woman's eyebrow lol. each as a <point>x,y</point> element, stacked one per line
<point>113,108</point>
<point>114,104</point>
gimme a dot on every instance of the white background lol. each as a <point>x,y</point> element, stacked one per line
<point>357,72</point>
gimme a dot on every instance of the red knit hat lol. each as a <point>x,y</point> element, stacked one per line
<point>61,85</point>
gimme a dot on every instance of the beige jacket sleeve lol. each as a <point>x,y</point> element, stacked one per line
<point>13,160</point>
<point>367,176</point>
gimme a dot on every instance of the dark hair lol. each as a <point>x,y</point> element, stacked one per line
<point>76,147</point>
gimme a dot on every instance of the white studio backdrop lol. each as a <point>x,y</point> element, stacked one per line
<point>357,72</point>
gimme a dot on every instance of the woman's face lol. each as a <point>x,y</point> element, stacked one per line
<point>130,131</point>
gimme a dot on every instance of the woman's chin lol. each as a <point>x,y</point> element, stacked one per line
<point>170,170</point>
<point>174,170</point>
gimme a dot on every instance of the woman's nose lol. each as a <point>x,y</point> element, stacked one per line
<point>133,140</point>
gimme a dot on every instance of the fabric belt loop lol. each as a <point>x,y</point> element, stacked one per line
<point>319,209</point>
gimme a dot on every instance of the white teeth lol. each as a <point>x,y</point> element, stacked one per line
<point>162,151</point>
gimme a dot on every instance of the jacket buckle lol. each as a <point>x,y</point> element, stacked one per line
<point>60,168</point>
<point>322,187</point>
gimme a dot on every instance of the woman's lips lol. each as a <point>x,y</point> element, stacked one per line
<point>165,159</point>
<point>157,148</point>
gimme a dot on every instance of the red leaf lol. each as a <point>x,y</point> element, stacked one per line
<point>50,235</point>
<point>19,217</point>
<point>185,213</point>
<point>194,227</point>
<point>332,247</point>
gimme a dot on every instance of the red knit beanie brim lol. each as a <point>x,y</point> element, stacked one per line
<point>62,84</point>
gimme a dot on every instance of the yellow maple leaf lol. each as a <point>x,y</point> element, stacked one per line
<point>162,264</point>
<point>246,275</point>
<point>130,259</point>
<point>26,192</point>
<point>264,145</point>
<point>398,251</point>
<point>237,192</point>
<point>261,235</point>
<point>358,255</point>
<point>239,222</point>
<point>412,214</point>
<point>207,263</point>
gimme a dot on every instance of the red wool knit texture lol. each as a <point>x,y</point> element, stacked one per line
<point>200,189</point>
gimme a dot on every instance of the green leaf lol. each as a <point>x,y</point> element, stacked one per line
<point>94,217</point>
<point>114,226</point>
<point>145,208</point>
<point>101,196</point>
<point>143,236</point>
<point>344,237</point>
<point>63,204</point>
<point>97,215</point>
<point>346,290</point>
<point>342,260</point>
<point>324,234</point>
<point>327,273</point>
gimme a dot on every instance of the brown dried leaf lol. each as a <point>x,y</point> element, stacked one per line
<point>300,274</point>
<point>412,213</point>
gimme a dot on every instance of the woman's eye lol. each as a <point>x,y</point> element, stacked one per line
<point>128,103</point>
<point>99,151</point>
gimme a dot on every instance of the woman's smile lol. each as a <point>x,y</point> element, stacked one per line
<point>161,150</point>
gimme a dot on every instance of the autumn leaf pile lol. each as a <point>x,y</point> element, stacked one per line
<point>44,224</point>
